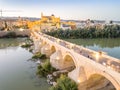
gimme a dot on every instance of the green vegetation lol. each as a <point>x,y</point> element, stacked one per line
<point>44,69</point>
<point>30,50</point>
<point>65,83</point>
<point>111,31</point>
<point>38,55</point>
<point>28,43</point>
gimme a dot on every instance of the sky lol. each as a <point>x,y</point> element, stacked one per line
<point>65,9</point>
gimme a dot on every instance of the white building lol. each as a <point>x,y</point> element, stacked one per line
<point>65,27</point>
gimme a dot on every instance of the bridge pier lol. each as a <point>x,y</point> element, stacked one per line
<point>46,50</point>
<point>56,60</point>
<point>118,88</point>
<point>78,74</point>
<point>36,45</point>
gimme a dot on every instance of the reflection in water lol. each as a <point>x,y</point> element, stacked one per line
<point>103,43</point>
<point>16,72</point>
<point>111,46</point>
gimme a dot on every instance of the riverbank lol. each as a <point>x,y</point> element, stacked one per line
<point>14,33</point>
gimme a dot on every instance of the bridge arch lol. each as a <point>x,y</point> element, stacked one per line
<point>53,49</point>
<point>44,42</point>
<point>69,61</point>
<point>109,81</point>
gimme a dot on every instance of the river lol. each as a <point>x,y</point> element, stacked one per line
<point>17,72</point>
<point>110,46</point>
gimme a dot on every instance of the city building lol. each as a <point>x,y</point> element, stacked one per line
<point>48,23</point>
<point>45,23</point>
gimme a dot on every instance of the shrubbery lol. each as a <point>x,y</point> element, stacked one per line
<point>65,83</point>
<point>45,69</point>
<point>111,31</point>
<point>39,56</point>
<point>26,45</point>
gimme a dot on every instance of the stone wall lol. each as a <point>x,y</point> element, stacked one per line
<point>17,32</point>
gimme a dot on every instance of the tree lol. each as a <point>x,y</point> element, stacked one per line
<point>111,22</point>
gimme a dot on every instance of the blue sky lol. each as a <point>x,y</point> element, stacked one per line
<point>66,9</point>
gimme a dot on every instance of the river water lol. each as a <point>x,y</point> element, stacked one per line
<point>17,72</point>
<point>110,46</point>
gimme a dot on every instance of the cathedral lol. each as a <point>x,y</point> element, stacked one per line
<point>50,20</point>
<point>46,23</point>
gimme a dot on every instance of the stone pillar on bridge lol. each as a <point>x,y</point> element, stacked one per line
<point>78,74</point>
<point>46,50</point>
<point>36,45</point>
<point>56,60</point>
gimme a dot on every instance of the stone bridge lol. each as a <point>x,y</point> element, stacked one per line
<point>86,62</point>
